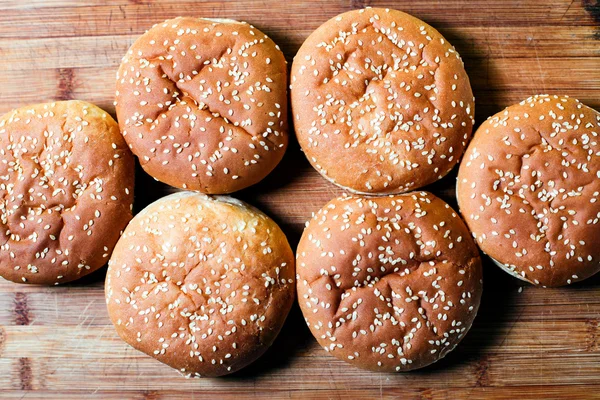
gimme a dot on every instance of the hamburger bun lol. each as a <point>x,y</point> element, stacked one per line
<point>202,284</point>
<point>388,283</point>
<point>203,104</point>
<point>528,188</point>
<point>386,93</point>
<point>66,180</point>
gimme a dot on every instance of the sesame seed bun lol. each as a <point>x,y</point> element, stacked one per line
<point>529,186</point>
<point>202,103</point>
<point>386,93</point>
<point>66,180</point>
<point>388,283</point>
<point>203,284</point>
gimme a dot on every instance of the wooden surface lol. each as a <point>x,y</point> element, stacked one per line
<point>58,342</point>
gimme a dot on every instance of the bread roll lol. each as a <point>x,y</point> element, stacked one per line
<point>388,283</point>
<point>381,102</point>
<point>66,180</point>
<point>203,104</point>
<point>203,284</point>
<point>529,187</point>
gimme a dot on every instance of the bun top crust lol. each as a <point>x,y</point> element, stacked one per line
<point>388,283</point>
<point>388,94</point>
<point>202,284</point>
<point>66,177</point>
<point>529,186</point>
<point>203,103</point>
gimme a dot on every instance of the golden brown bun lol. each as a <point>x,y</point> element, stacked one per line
<point>381,102</point>
<point>529,186</point>
<point>388,283</point>
<point>203,105</point>
<point>203,284</point>
<point>66,178</point>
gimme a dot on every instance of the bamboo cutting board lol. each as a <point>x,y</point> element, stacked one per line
<point>57,342</point>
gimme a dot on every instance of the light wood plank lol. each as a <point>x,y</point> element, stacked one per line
<point>124,17</point>
<point>471,42</point>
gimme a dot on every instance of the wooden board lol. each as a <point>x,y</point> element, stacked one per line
<point>58,342</point>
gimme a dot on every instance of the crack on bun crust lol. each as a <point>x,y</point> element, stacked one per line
<point>203,103</point>
<point>203,284</point>
<point>528,188</point>
<point>388,93</point>
<point>66,184</point>
<point>388,283</point>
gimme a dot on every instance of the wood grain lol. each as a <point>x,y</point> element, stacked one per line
<point>57,342</point>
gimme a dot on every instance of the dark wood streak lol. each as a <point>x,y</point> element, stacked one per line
<point>593,335</point>
<point>2,339</point>
<point>25,375</point>
<point>425,394</point>
<point>150,395</point>
<point>66,78</point>
<point>593,8</point>
<point>21,309</point>
<point>359,4</point>
<point>481,372</point>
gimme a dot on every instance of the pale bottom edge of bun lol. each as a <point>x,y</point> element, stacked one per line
<point>223,20</point>
<point>220,198</point>
<point>510,271</point>
<point>388,193</point>
<point>375,194</point>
